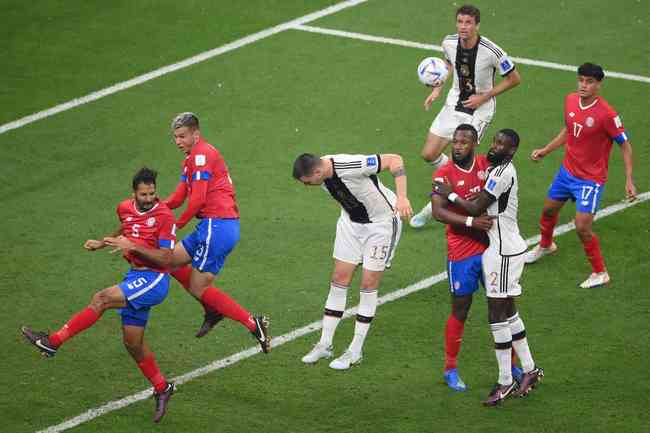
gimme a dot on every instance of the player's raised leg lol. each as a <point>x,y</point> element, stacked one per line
<point>334,309</point>
<point>432,152</point>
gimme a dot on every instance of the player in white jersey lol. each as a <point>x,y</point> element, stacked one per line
<point>367,233</point>
<point>503,264</point>
<point>474,60</point>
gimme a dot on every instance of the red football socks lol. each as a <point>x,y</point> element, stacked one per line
<point>453,337</point>
<point>592,249</point>
<point>151,371</point>
<point>546,225</point>
<point>182,275</point>
<point>219,301</point>
<point>80,321</point>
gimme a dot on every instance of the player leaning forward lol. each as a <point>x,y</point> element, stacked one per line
<point>367,233</point>
<point>474,60</point>
<point>503,264</point>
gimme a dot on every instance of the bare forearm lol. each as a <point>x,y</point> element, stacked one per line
<point>558,141</point>
<point>511,80</point>
<point>158,257</point>
<point>628,162</point>
<point>446,216</point>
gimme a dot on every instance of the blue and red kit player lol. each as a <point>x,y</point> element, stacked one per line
<point>591,125</point>
<point>466,241</point>
<point>212,201</point>
<point>149,223</point>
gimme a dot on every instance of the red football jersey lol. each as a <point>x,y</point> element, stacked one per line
<point>464,242</point>
<point>206,163</point>
<point>154,228</point>
<point>590,131</point>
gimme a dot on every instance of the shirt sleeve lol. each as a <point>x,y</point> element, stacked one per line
<point>502,61</point>
<point>499,180</point>
<point>199,168</point>
<point>167,234</point>
<point>357,165</point>
<point>614,127</point>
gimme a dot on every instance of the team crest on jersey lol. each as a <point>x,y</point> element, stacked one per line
<point>151,221</point>
<point>464,70</point>
<point>371,161</point>
<point>199,160</point>
<point>481,175</point>
<point>590,121</point>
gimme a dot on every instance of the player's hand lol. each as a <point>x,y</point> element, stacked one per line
<point>630,190</point>
<point>403,207</point>
<point>538,154</point>
<point>475,101</point>
<point>483,222</point>
<point>93,245</point>
<point>442,188</point>
<point>432,97</point>
<point>119,243</point>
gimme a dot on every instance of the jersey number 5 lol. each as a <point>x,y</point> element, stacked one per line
<point>135,229</point>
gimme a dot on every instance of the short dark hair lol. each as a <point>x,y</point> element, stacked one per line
<point>470,128</point>
<point>512,135</point>
<point>304,165</point>
<point>591,70</point>
<point>185,119</point>
<point>144,175</point>
<point>470,10</point>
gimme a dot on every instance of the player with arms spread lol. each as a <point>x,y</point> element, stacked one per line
<point>149,223</point>
<point>466,241</point>
<point>503,264</point>
<point>367,234</point>
<point>212,200</point>
<point>474,60</point>
<point>591,125</point>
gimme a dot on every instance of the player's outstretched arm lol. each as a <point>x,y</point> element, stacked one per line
<point>445,216</point>
<point>630,188</point>
<point>395,164</point>
<point>475,207</point>
<point>176,198</point>
<point>558,141</point>
<point>160,257</point>
<point>94,244</point>
<point>437,90</point>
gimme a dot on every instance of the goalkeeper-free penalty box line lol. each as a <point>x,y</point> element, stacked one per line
<point>296,24</point>
<point>308,329</point>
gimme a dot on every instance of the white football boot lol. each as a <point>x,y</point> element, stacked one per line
<point>421,218</point>
<point>538,252</point>
<point>347,360</point>
<point>595,280</point>
<point>319,351</point>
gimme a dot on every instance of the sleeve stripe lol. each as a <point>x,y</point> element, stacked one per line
<point>496,50</point>
<point>378,163</point>
<point>183,178</point>
<point>201,175</point>
<point>621,138</point>
<point>166,243</point>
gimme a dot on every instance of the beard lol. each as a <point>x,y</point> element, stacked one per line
<point>495,158</point>
<point>463,162</point>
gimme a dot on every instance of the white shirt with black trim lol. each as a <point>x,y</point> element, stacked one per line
<point>490,58</point>
<point>355,185</point>
<point>504,234</point>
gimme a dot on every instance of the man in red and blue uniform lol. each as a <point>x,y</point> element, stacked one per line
<point>148,223</point>
<point>207,183</point>
<point>591,125</point>
<point>466,241</point>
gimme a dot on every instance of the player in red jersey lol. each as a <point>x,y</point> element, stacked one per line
<point>212,200</point>
<point>149,223</point>
<point>591,125</point>
<point>466,241</point>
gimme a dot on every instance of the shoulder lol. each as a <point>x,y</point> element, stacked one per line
<point>605,108</point>
<point>482,162</point>
<point>571,98</point>
<point>504,170</point>
<point>450,40</point>
<point>346,160</point>
<point>125,205</point>
<point>491,46</point>
<point>443,171</point>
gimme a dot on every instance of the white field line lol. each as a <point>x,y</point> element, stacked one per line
<point>179,65</point>
<point>411,44</point>
<point>296,333</point>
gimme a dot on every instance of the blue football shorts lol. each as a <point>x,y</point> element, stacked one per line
<point>142,290</point>
<point>464,275</point>
<point>586,193</point>
<point>211,242</point>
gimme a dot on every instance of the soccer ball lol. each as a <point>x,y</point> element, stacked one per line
<point>432,71</point>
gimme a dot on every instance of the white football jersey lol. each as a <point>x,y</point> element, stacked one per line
<point>362,196</point>
<point>474,69</point>
<point>504,234</point>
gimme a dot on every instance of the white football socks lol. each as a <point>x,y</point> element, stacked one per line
<point>334,308</point>
<point>365,314</point>
<point>520,343</point>
<point>503,349</point>
<point>440,161</point>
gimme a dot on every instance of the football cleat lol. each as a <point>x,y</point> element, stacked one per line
<point>162,399</point>
<point>538,252</point>
<point>529,381</point>
<point>517,373</point>
<point>453,380</point>
<point>347,360</point>
<point>210,320</point>
<point>319,351</point>
<point>499,393</point>
<point>261,332</point>
<point>595,280</point>
<point>40,340</point>
<point>421,218</point>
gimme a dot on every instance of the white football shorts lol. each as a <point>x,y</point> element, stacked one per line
<point>502,274</point>
<point>448,120</point>
<point>372,245</point>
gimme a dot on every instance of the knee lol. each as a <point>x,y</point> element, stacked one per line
<point>99,302</point>
<point>549,212</point>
